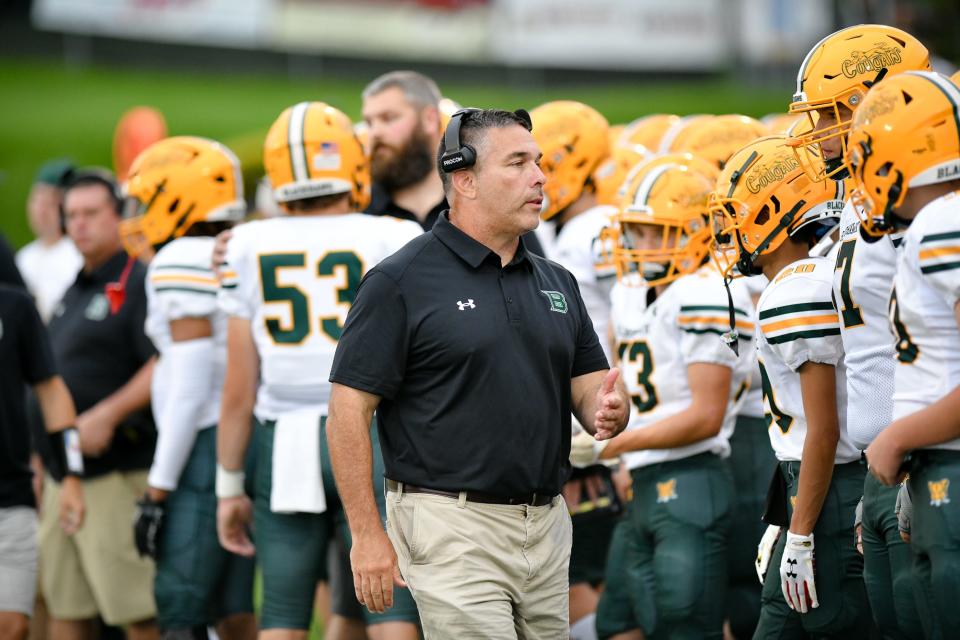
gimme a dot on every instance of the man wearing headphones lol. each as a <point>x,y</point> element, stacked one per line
<point>99,346</point>
<point>473,351</point>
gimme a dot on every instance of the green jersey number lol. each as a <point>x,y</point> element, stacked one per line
<point>907,351</point>
<point>345,265</point>
<point>784,421</point>
<point>850,311</point>
<point>638,352</point>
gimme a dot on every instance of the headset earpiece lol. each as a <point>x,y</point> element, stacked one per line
<point>457,155</point>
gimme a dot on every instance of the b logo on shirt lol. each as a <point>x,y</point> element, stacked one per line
<point>938,492</point>
<point>667,491</point>
<point>98,308</point>
<point>558,301</point>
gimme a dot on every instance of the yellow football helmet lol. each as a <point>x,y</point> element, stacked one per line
<point>781,123</point>
<point>447,108</point>
<point>362,131</point>
<point>905,134</point>
<point>955,78</point>
<point>610,175</point>
<point>839,70</point>
<point>648,130</point>
<point>763,196</point>
<point>311,150</point>
<point>713,138</point>
<point>176,183</point>
<point>661,231</point>
<point>574,140</point>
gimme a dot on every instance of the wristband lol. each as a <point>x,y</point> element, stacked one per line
<point>229,483</point>
<point>65,446</point>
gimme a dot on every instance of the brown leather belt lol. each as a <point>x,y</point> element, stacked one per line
<point>529,499</point>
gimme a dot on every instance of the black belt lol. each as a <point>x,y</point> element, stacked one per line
<point>529,499</point>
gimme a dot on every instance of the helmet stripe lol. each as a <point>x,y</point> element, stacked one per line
<point>298,152</point>
<point>643,191</point>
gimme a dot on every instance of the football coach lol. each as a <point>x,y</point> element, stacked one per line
<point>473,352</point>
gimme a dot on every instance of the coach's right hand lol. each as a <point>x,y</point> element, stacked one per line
<point>375,570</point>
<point>234,516</point>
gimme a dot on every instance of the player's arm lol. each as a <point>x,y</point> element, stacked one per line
<point>932,425</point>
<point>59,417</point>
<point>710,392</point>
<point>234,511</point>
<point>818,391</point>
<point>189,363</point>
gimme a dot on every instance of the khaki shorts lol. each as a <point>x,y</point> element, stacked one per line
<point>483,570</point>
<point>18,559</point>
<point>98,570</point>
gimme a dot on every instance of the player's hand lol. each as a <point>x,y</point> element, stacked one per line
<point>72,507</point>
<point>147,522</point>
<point>96,427</point>
<point>904,511</point>
<point>375,570</point>
<point>219,256</point>
<point>885,458</point>
<point>234,516</point>
<point>585,450</point>
<point>613,408</point>
<point>765,551</point>
<point>797,573</point>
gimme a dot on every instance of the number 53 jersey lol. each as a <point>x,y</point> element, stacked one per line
<point>798,324</point>
<point>922,312</point>
<point>657,342</point>
<point>295,278</point>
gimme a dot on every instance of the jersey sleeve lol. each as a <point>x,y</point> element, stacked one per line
<point>800,323</point>
<point>703,318</point>
<point>238,276</point>
<point>938,257</point>
<point>184,282</point>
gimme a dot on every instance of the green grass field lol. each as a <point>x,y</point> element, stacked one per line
<point>50,111</point>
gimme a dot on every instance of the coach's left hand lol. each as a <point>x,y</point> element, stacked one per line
<point>613,408</point>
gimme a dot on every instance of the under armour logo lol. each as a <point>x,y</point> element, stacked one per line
<point>466,305</point>
<point>791,572</point>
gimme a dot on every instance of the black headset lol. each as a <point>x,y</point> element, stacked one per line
<point>457,155</point>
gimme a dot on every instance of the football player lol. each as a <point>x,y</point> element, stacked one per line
<point>574,140</point>
<point>712,138</point>
<point>904,154</point>
<point>831,84</point>
<point>775,213</point>
<point>286,287</point>
<point>667,569</point>
<point>180,192</point>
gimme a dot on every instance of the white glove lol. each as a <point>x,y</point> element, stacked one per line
<point>797,573</point>
<point>765,550</point>
<point>585,450</point>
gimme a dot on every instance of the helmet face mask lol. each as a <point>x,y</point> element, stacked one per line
<point>834,78</point>
<point>176,184</point>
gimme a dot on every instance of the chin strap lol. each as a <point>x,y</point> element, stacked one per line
<point>731,338</point>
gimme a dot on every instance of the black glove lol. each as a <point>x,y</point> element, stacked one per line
<point>147,522</point>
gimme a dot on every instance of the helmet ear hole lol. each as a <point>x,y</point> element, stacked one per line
<point>220,179</point>
<point>884,170</point>
<point>763,216</point>
<point>776,203</point>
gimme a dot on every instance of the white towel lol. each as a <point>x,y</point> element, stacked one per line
<point>297,478</point>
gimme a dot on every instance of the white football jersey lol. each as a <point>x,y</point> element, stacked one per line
<point>295,278</point>
<point>181,284</point>
<point>862,281</point>
<point>922,310</point>
<point>577,248</point>
<point>799,324</point>
<point>752,406</point>
<point>657,343</point>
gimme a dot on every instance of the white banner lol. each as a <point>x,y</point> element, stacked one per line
<point>614,34</point>
<point>235,23</point>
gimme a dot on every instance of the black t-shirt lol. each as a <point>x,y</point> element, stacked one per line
<point>25,358</point>
<point>472,361</point>
<point>98,351</point>
<point>381,204</point>
<point>9,274</point>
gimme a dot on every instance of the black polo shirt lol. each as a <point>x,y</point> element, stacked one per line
<point>472,361</point>
<point>25,358</point>
<point>97,352</point>
<point>382,204</point>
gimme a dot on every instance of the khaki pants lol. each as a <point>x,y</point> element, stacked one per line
<point>483,570</point>
<point>97,570</point>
